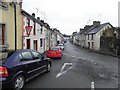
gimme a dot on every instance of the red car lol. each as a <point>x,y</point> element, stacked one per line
<point>54,52</point>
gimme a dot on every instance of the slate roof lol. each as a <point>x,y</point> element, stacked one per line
<point>33,18</point>
<point>96,29</point>
<point>81,31</point>
<point>85,30</point>
<point>93,29</point>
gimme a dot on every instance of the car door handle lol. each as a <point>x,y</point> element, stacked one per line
<point>26,65</point>
<point>38,62</point>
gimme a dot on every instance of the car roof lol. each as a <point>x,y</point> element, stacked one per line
<point>18,50</point>
<point>60,44</point>
<point>23,50</point>
<point>55,47</point>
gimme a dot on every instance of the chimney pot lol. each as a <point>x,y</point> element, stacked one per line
<point>33,14</point>
<point>95,23</point>
<point>38,18</point>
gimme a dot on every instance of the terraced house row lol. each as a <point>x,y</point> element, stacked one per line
<point>31,32</point>
<point>98,37</point>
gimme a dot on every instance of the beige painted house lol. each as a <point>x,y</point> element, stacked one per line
<point>93,36</point>
<point>7,25</point>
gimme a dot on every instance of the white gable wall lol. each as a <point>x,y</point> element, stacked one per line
<point>96,41</point>
<point>82,40</point>
<point>96,38</point>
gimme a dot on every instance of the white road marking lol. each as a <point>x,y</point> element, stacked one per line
<point>60,73</point>
<point>78,57</point>
<point>62,69</point>
<point>92,85</point>
<point>82,58</point>
<point>74,56</point>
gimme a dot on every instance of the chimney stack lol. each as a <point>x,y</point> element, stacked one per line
<point>42,21</point>
<point>38,18</point>
<point>96,23</point>
<point>33,14</point>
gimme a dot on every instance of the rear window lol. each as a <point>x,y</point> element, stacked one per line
<point>5,54</point>
<point>60,44</point>
<point>54,48</point>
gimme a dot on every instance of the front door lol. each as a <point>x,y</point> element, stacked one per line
<point>28,43</point>
<point>88,45</point>
<point>35,45</point>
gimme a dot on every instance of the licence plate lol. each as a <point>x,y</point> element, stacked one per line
<point>53,52</point>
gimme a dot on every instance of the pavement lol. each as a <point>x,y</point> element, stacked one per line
<point>104,52</point>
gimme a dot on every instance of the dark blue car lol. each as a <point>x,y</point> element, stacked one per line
<point>18,67</point>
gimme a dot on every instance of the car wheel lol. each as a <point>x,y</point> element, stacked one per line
<point>19,82</point>
<point>48,67</point>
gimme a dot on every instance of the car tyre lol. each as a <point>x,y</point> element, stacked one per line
<point>48,67</point>
<point>19,82</point>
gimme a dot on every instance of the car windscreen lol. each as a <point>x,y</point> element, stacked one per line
<point>4,55</point>
<point>54,49</point>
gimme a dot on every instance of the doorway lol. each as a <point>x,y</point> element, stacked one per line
<point>28,43</point>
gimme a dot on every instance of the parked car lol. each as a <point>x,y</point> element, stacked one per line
<point>63,42</point>
<point>54,52</point>
<point>61,45</point>
<point>20,66</point>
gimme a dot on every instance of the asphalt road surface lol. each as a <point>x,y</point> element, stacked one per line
<point>79,68</point>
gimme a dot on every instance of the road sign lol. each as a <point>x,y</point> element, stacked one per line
<point>28,29</point>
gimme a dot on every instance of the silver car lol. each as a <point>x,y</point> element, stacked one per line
<point>61,46</point>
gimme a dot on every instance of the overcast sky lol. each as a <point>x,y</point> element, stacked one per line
<point>71,15</point>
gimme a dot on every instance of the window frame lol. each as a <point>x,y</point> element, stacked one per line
<point>92,45</point>
<point>41,42</point>
<point>92,37</point>
<point>41,29</point>
<point>88,36</point>
<point>20,55</point>
<point>25,59</point>
<point>35,44</point>
<point>2,38</point>
<point>34,29</point>
<point>4,5</point>
<point>34,57</point>
<point>28,22</point>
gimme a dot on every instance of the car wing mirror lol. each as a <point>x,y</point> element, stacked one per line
<point>42,57</point>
